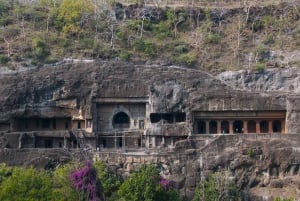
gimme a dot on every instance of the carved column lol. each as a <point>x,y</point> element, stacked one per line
<point>207,126</point>
<point>283,128</point>
<point>195,127</point>
<point>219,131</point>
<point>231,127</point>
<point>270,128</point>
<point>245,126</point>
<point>257,126</point>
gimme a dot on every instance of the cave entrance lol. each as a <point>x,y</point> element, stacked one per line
<point>238,126</point>
<point>277,127</point>
<point>225,126</point>
<point>121,120</point>
<point>213,127</point>
<point>201,127</point>
<point>263,126</point>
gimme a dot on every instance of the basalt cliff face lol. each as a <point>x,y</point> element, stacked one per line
<point>264,164</point>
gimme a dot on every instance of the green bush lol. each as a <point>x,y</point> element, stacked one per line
<point>149,48</point>
<point>257,25</point>
<point>213,38</point>
<point>283,199</point>
<point>162,30</point>
<point>124,55</point>
<point>181,49</point>
<point>145,46</point>
<point>250,153</point>
<point>86,43</point>
<point>188,59</point>
<point>260,67</point>
<point>4,59</point>
<point>214,186</point>
<point>26,184</point>
<point>40,49</point>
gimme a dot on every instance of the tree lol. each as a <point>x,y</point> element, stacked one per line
<point>85,180</point>
<point>62,187</point>
<point>40,49</point>
<point>9,35</point>
<point>144,185</point>
<point>216,187</point>
<point>26,185</point>
<point>110,181</point>
<point>73,14</point>
<point>175,19</point>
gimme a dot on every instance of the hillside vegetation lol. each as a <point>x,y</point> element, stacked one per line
<point>218,36</point>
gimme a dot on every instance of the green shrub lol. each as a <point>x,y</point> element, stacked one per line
<point>4,59</point>
<point>124,55</point>
<point>283,199</point>
<point>181,49</point>
<point>149,48</point>
<point>257,25</point>
<point>17,58</point>
<point>213,38</point>
<point>51,61</point>
<point>138,45</point>
<point>40,49</point>
<point>86,43</point>
<point>215,186</point>
<point>162,30</point>
<point>188,59</point>
<point>250,153</point>
<point>260,67</point>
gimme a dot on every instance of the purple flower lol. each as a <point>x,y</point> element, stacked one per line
<point>167,184</point>
<point>85,179</point>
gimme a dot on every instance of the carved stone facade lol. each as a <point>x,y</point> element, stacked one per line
<point>126,107</point>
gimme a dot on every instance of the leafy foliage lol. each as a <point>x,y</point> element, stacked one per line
<point>62,187</point>
<point>85,180</point>
<point>144,185</point>
<point>26,185</point>
<point>40,50</point>
<point>72,14</point>
<point>216,187</point>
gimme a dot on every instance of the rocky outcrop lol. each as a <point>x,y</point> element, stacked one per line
<point>280,80</point>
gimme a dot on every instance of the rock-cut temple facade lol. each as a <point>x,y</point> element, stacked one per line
<point>117,106</point>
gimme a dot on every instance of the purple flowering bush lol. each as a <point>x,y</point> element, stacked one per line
<point>85,180</point>
<point>167,184</point>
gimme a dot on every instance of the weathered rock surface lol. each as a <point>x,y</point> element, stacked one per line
<point>254,162</point>
<point>286,80</point>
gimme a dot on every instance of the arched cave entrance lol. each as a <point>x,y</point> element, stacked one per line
<point>201,127</point>
<point>238,126</point>
<point>276,126</point>
<point>213,127</point>
<point>263,126</point>
<point>121,120</point>
<point>225,126</point>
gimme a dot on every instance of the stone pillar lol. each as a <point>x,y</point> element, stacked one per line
<point>245,126</point>
<point>65,142</point>
<point>153,141</point>
<point>283,127</point>
<point>231,127</point>
<point>207,126</point>
<point>219,130</point>
<point>257,127</point>
<point>195,126</point>
<point>270,127</point>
